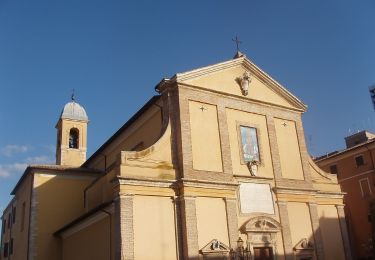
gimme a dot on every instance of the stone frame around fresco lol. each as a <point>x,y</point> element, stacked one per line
<point>259,143</point>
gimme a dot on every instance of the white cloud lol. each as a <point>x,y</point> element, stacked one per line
<point>11,149</point>
<point>43,159</point>
<point>9,169</point>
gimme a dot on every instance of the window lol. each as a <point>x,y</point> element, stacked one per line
<point>364,184</point>
<point>249,142</point>
<point>333,169</point>
<point>9,220</point>
<point>11,246</point>
<point>359,160</point>
<point>14,215</point>
<point>73,138</point>
<point>6,250</point>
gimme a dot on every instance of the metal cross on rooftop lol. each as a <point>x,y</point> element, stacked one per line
<point>72,97</point>
<point>238,42</point>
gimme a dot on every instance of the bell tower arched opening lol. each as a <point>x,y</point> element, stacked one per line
<point>74,138</point>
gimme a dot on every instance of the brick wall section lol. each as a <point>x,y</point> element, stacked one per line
<point>318,242</point>
<point>232,221</point>
<point>224,139</point>
<point>33,224</point>
<point>344,231</point>
<point>124,235</point>
<point>174,113</point>
<point>189,228</point>
<point>287,238</point>
<point>303,151</point>
<point>274,149</point>
<point>187,157</point>
<point>179,232</point>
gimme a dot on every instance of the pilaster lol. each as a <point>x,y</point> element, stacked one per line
<point>124,234</point>
<point>224,139</point>
<point>189,228</point>
<point>318,241</point>
<point>274,149</point>
<point>303,151</point>
<point>344,231</point>
<point>232,221</point>
<point>287,238</point>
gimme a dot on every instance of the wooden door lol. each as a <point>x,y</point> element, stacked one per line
<point>263,253</point>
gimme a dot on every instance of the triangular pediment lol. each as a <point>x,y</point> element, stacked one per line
<point>225,78</point>
<point>215,246</point>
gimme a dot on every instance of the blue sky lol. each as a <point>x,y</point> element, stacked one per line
<point>114,52</point>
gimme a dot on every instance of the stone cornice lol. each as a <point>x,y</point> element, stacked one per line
<point>144,181</point>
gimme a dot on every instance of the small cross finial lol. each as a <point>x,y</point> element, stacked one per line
<point>202,108</point>
<point>72,97</point>
<point>238,42</point>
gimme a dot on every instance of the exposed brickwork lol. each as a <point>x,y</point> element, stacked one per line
<point>176,140</point>
<point>224,139</point>
<point>287,238</point>
<point>187,157</point>
<point>232,221</point>
<point>318,242</point>
<point>179,228</point>
<point>33,230</point>
<point>124,236</point>
<point>303,150</point>
<point>344,231</point>
<point>274,149</point>
<point>189,228</point>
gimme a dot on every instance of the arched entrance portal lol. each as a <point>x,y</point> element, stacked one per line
<point>261,234</point>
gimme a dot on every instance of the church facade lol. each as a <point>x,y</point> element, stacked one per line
<point>213,167</point>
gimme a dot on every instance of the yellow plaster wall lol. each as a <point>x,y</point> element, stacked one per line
<point>20,236</point>
<point>331,233</point>
<point>211,220</point>
<point>59,201</point>
<point>225,81</point>
<point>100,191</point>
<point>154,228</point>
<point>299,220</point>
<point>205,137</point>
<point>142,134</point>
<point>287,142</point>
<point>236,118</point>
<point>154,161</point>
<point>91,243</point>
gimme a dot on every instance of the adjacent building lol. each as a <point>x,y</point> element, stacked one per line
<point>354,167</point>
<point>214,166</point>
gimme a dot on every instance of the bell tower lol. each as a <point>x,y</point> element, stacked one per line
<point>72,135</point>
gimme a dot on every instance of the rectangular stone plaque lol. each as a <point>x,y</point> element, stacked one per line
<point>256,198</point>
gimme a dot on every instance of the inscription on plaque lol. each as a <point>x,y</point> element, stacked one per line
<point>256,198</point>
